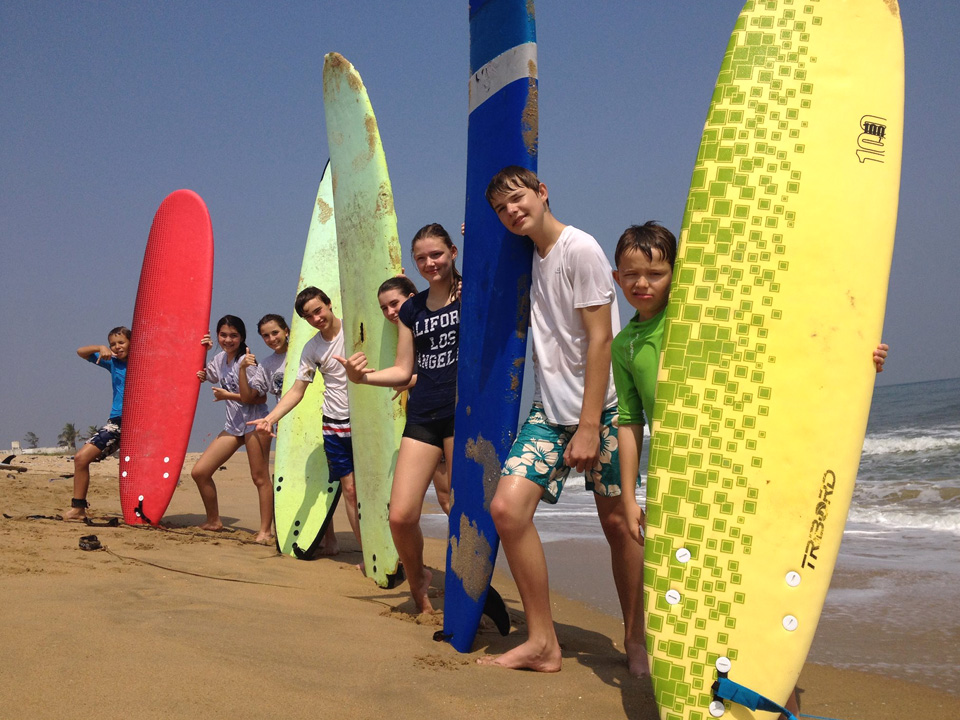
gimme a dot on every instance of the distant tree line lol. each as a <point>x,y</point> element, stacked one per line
<point>68,437</point>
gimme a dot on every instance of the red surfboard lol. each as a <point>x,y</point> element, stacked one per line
<point>171,315</point>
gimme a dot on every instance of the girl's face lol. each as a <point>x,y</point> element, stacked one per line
<point>434,259</point>
<point>119,346</point>
<point>274,336</point>
<point>390,302</point>
<point>229,339</point>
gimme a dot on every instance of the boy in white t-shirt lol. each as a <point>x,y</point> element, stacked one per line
<point>313,305</point>
<point>573,318</point>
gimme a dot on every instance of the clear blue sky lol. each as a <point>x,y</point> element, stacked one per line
<point>107,107</point>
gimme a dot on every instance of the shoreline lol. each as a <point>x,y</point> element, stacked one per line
<point>181,622</point>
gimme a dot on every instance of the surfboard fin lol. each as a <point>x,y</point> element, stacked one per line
<point>495,609</point>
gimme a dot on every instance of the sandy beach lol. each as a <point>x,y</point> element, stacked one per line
<point>181,623</point>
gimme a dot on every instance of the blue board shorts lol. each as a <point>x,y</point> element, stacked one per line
<point>537,454</point>
<point>338,447</point>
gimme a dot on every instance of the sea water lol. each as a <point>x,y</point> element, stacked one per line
<point>898,573</point>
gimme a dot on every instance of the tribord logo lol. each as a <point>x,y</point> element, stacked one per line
<point>827,484</point>
<point>873,130</point>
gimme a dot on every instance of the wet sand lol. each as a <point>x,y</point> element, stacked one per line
<point>184,623</point>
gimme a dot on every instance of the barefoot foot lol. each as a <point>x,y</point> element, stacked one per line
<point>421,593</point>
<point>528,656</point>
<point>212,525</point>
<point>75,515</point>
<point>263,538</point>
<point>328,547</point>
<point>637,662</point>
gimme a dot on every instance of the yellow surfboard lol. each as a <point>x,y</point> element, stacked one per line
<point>369,253</point>
<point>766,374</point>
<point>305,496</point>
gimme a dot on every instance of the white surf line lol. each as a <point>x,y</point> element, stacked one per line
<point>516,63</point>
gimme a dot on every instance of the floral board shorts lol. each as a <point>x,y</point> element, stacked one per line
<point>537,454</point>
<point>106,439</point>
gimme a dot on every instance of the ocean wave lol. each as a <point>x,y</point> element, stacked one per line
<point>904,520</point>
<point>930,494</point>
<point>895,444</point>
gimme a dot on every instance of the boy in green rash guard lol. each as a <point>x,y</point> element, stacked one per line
<point>644,260</point>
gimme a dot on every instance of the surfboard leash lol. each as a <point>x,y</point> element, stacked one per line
<point>726,689</point>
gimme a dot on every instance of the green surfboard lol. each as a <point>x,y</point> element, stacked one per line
<point>369,253</point>
<point>305,496</point>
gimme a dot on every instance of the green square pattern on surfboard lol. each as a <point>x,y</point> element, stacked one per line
<point>765,381</point>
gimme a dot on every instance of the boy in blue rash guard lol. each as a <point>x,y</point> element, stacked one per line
<point>106,441</point>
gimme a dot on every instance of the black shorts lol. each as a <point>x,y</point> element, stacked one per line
<point>432,433</point>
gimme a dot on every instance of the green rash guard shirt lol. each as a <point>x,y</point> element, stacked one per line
<point>636,361</point>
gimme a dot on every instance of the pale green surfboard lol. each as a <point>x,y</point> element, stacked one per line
<point>766,374</point>
<point>369,253</point>
<point>304,496</point>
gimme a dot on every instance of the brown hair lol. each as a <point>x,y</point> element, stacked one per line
<point>436,230</point>
<point>308,294</point>
<point>512,178</point>
<point>399,282</point>
<point>645,238</point>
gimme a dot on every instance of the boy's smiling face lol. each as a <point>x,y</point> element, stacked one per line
<point>521,210</point>
<point>645,282</point>
<point>318,315</point>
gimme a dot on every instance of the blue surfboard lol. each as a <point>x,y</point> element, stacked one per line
<point>493,334</point>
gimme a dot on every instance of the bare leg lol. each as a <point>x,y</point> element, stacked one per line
<point>415,465</point>
<point>258,455</point>
<point>441,483</point>
<point>217,453</point>
<point>512,508</point>
<point>81,479</point>
<point>330,546</point>
<point>627,559</point>
<point>349,489</point>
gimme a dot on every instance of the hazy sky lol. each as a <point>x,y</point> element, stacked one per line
<point>107,107</point>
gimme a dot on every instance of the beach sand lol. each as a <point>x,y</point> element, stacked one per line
<point>182,623</point>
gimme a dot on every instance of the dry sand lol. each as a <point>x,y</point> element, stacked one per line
<point>182,623</point>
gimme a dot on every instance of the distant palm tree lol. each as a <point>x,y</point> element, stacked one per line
<point>31,440</point>
<point>68,436</point>
<point>91,431</point>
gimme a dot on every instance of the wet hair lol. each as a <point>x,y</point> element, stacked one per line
<point>119,330</point>
<point>237,324</point>
<point>436,230</point>
<point>645,238</point>
<point>401,283</point>
<point>272,317</point>
<point>308,294</point>
<point>512,177</point>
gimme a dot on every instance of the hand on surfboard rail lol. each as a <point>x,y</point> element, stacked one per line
<point>880,356</point>
<point>207,342</point>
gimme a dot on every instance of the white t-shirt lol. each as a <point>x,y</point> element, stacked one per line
<point>318,353</point>
<point>272,368</point>
<point>575,274</point>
